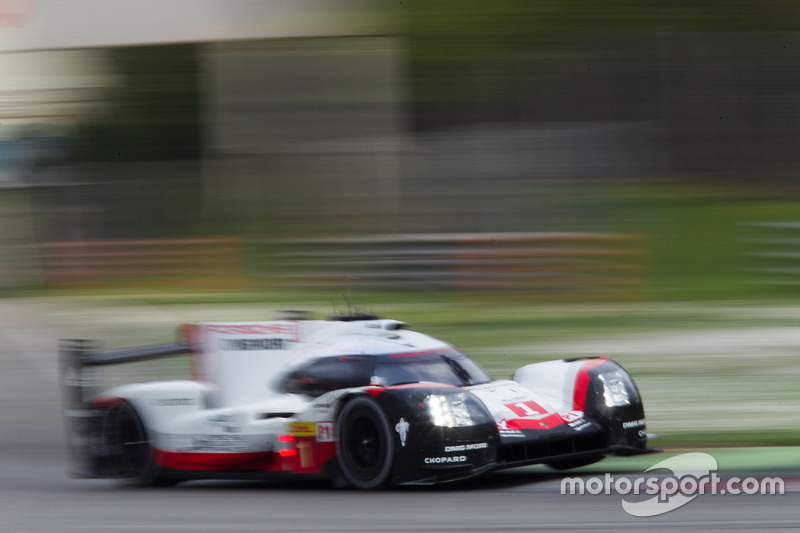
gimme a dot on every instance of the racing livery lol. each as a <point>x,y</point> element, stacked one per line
<point>356,399</point>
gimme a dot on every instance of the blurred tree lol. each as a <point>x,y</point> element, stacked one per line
<point>138,158</point>
<point>472,60</point>
<point>153,111</point>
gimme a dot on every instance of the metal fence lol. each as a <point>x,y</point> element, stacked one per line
<point>773,253</point>
<point>578,265</point>
<point>193,262</point>
<point>553,265</point>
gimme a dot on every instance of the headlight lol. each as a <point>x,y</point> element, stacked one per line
<point>618,390</point>
<point>455,410</point>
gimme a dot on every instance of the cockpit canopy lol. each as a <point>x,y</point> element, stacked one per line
<point>444,365</point>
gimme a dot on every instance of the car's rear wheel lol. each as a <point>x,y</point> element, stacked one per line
<point>364,444</point>
<point>127,448</point>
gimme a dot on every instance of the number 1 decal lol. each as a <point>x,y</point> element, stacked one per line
<point>529,408</point>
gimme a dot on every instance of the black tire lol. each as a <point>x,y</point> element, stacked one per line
<point>128,455</point>
<point>364,446</point>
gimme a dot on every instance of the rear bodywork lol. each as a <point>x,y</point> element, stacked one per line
<point>263,404</point>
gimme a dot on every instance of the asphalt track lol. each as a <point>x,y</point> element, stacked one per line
<point>36,495</point>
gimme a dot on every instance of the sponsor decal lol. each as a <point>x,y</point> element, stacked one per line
<point>631,424</point>
<point>222,419</point>
<point>487,387</point>
<point>402,429</point>
<point>511,433</point>
<point>571,416</point>
<point>575,420</point>
<point>165,402</point>
<point>512,399</point>
<point>325,431</point>
<point>302,429</point>
<point>253,329</point>
<point>229,422</point>
<point>217,443</point>
<point>253,344</point>
<point>444,460</point>
<point>579,425</point>
<point>466,447</point>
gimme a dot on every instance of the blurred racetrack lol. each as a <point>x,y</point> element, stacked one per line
<point>37,495</point>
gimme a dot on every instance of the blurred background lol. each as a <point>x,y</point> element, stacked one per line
<point>649,146</point>
<point>513,172</point>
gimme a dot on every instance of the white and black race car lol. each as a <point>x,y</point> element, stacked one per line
<point>355,399</point>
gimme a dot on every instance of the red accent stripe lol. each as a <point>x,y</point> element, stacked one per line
<point>213,460</point>
<point>582,381</point>
<point>420,352</point>
<point>419,386</point>
<point>374,391</point>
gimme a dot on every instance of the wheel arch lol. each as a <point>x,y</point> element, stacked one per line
<point>158,403</point>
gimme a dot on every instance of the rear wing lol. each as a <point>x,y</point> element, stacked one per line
<point>79,386</point>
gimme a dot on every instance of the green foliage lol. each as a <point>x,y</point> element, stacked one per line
<point>472,60</point>
<point>153,112</point>
<point>504,25</point>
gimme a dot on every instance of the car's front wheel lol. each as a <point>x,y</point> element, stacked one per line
<point>364,445</point>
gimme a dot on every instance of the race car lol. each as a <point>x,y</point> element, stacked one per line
<point>359,400</point>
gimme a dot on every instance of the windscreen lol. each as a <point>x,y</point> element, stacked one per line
<point>448,366</point>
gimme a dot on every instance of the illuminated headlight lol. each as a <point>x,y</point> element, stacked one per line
<point>618,390</point>
<point>455,410</point>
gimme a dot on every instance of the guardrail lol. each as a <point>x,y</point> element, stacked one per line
<point>551,265</point>
<point>773,250</point>
<point>558,265</point>
<point>215,262</point>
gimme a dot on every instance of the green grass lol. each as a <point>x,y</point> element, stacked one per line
<point>732,438</point>
<point>700,235</point>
